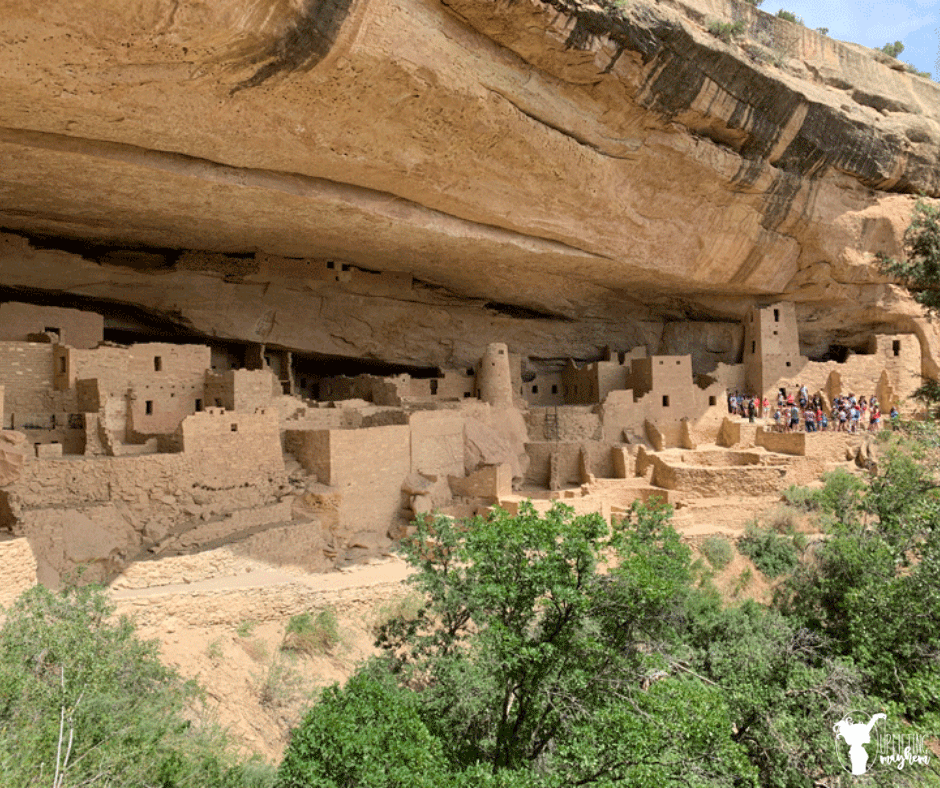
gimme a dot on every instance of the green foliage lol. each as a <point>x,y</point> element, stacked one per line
<point>778,683</point>
<point>718,551</point>
<point>726,31</point>
<point>789,16</point>
<point>929,393</point>
<point>368,733</point>
<point>872,588</point>
<point>840,499</point>
<point>77,682</point>
<point>802,499</point>
<point>823,31</point>
<point>919,271</point>
<point>312,635</point>
<point>754,3</point>
<point>772,553</point>
<point>893,50</point>
<point>245,628</point>
<point>531,660</point>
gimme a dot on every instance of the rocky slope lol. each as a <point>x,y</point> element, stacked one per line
<point>559,175</point>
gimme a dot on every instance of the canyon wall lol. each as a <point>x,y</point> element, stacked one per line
<point>411,180</point>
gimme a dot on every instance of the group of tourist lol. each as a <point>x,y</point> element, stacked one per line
<point>799,412</point>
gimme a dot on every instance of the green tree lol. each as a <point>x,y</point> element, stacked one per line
<point>85,701</point>
<point>367,733</point>
<point>893,50</point>
<point>919,271</point>
<point>531,659</point>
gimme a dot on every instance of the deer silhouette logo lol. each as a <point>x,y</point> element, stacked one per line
<point>857,734</point>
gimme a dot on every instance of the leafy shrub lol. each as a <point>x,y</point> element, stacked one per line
<point>893,50</point>
<point>789,16</point>
<point>801,498</point>
<point>726,31</point>
<point>81,694</point>
<point>368,733</point>
<point>718,551</point>
<point>841,496</point>
<point>771,553</point>
<point>311,635</point>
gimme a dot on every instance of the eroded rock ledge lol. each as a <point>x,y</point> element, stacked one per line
<point>604,172</point>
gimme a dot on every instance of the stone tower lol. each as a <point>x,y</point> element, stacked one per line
<point>494,378</point>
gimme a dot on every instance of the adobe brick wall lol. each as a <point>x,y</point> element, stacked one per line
<point>369,465</point>
<point>233,448</point>
<point>783,442</point>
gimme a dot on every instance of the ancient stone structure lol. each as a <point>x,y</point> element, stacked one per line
<point>126,451</point>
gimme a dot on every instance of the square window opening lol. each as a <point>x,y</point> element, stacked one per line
<point>554,389</point>
<point>198,406</point>
<point>712,401</point>
<point>330,264</point>
<point>234,428</point>
<point>62,363</point>
<point>535,389</point>
<point>148,407</point>
<point>896,347</point>
<point>157,364</point>
<point>665,400</point>
<point>776,316</point>
<point>434,387</point>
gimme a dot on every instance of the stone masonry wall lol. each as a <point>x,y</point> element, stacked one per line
<point>233,448</point>
<point>76,328</point>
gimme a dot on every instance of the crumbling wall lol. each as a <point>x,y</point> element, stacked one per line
<point>72,326</point>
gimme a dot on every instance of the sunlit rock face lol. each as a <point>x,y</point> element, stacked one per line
<point>410,181</point>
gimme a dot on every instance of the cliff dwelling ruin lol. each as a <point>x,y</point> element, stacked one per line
<point>288,277</point>
<point>117,453</point>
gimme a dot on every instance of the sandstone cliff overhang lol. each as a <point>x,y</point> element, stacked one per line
<point>599,168</point>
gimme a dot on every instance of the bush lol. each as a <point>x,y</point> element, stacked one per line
<point>368,733</point>
<point>801,498</point>
<point>718,551</point>
<point>82,695</point>
<point>789,16</point>
<point>726,31</point>
<point>312,636</point>
<point>841,496</point>
<point>893,50</point>
<point>771,553</point>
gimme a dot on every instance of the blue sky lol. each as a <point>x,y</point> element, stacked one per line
<point>915,23</point>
